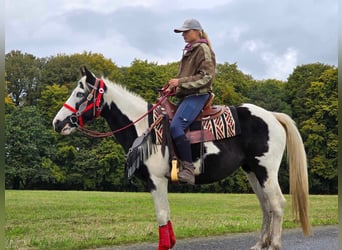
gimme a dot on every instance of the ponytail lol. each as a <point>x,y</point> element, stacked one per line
<point>205,36</point>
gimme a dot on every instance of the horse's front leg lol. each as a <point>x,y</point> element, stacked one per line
<point>167,237</point>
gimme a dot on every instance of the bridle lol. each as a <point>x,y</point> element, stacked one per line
<point>76,117</point>
<point>77,120</point>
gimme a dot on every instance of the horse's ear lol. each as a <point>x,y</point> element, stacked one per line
<point>90,77</point>
<point>83,72</point>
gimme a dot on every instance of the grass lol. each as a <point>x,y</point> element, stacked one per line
<point>84,220</point>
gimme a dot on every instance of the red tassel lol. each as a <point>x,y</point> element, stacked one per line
<point>164,238</point>
<point>171,234</point>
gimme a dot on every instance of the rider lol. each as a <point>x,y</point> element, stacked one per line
<point>193,86</point>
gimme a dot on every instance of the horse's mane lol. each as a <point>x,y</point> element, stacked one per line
<point>122,91</point>
<point>130,103</point>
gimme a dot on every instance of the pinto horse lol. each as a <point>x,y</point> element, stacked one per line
<point>258,150</point>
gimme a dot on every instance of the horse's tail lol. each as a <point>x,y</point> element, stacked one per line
<point>296,156</point>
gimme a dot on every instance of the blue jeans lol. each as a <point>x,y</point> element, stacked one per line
<point>187,111</point>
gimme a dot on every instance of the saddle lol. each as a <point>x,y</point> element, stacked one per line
<point>213,123</point>
<point>209,112</point>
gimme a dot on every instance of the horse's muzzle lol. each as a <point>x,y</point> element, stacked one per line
<point>58,125</point>
<point>63,127</point>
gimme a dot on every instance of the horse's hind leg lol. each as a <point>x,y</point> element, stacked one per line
<point>277,204</point>
<point>272,203</point>
<point>265,236</point>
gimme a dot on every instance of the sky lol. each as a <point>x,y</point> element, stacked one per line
<point>265,38</point>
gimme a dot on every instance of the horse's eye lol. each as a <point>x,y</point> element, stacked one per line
<point>80,94</point>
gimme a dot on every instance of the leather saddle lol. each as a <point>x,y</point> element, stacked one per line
<point>208,112</point>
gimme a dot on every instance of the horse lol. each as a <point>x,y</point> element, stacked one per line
<point>259,149</point>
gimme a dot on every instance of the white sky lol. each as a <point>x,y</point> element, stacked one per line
<point>267,39</point>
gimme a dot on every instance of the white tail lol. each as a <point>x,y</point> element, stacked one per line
<point>296,156</point>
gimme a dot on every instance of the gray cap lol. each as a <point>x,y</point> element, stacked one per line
<point>190,24</point>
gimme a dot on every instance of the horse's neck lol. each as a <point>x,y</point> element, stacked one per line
<point>121,108</point>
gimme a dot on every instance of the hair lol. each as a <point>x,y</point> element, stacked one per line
<point>205,36</point>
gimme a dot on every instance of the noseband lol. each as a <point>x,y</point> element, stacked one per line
<point>76,117</point>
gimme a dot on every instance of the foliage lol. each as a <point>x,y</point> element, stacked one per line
<point>231,85</point>
<point>96,167</point>
<point>52,98</point>
<point>38,158</point>
<point>22,77</point>
<point>148,78</point>
<point>319,130</point>
<point>296,86</point>
<point>27,149</point>
<point>65,69</point>
<point>9,104</point>
<point>270,95</point>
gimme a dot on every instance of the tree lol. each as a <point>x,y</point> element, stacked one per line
<point>9,104</point>
<point>297,84</point>
<point>100,167</point>
<point>231,86</point>
<point>52,99</point>
<point>27,149</point>
<point>147,78</point>
<point>319,131</point>
<point>22,77</point>
<point>65,69</point>
<point>270,95</point>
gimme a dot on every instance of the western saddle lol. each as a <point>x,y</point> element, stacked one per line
<point>208,112</point>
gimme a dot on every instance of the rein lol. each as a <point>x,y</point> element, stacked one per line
<point>97,134</point>
<point>77,119</point>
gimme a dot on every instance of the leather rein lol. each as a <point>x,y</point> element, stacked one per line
<point>77,120</point>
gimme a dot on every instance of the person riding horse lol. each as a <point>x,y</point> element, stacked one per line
<point>192,86</point>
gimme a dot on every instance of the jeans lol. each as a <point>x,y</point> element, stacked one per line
<point>187,111</point>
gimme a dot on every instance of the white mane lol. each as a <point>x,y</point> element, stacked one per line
<point>130,104</point>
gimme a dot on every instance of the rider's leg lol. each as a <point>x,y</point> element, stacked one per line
<point>186,113</point>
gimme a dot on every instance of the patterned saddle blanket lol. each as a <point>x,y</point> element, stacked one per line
<point>214,123</point>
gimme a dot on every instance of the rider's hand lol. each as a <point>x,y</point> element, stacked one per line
<point>166,91</point>
<point>170,86</point>
<point>174,82</point>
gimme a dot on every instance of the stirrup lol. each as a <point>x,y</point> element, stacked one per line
<point>174,170</point>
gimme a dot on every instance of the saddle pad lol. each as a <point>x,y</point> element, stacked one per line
<point>224,126</point>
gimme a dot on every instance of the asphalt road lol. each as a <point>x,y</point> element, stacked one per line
<point>323,238</point>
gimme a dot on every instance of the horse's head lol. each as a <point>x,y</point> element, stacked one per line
<point>83,105</point>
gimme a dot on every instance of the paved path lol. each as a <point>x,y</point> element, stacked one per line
<point>323,238</point>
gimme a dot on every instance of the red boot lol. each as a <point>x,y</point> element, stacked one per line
<point>167,238</point>
<point>164,238</point>
<point>171,234</point>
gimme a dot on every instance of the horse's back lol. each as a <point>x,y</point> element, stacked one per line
<point>263,138</point>
<point>253,141</point>
<point>256,121</point>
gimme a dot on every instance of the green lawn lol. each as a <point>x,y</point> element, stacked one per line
<point>82,220</point>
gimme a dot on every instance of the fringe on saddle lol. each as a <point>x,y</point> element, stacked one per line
<point>144,146</point>
<point>141,150</point>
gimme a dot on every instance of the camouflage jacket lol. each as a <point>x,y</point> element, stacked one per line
<point>196,71</point>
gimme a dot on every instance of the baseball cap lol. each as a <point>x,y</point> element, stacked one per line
<point>190,24</point>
